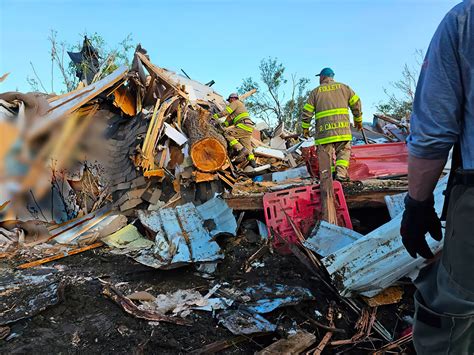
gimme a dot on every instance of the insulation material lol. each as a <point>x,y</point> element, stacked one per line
<point>128,238</point>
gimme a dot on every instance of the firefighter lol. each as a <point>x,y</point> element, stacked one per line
<point>238,129</point>
<point>329,104</point>
<point>443,116</point>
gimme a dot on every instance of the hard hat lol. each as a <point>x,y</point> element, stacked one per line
<point>326,72</point>
<point>233,96</point>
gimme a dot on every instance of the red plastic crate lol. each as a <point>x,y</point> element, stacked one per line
<point>303,206</point>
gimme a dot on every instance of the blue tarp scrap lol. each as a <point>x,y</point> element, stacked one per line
<point>264,298</point>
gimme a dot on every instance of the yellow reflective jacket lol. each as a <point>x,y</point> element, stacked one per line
<point>237,115</point>
<point>329,104</point>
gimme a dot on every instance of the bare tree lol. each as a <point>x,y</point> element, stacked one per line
<point>400,102</point>
<point>58,50</point>
<point>111,59</point>
<point>270,103</point>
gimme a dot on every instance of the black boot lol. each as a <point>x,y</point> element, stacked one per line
<point>343,179</point>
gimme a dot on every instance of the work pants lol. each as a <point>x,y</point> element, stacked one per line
<point>238,139</point>
<point>444,301</point>
<point>342,152</point>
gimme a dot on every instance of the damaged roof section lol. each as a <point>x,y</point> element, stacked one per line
<point>374,262</point>
<point>184,234</point>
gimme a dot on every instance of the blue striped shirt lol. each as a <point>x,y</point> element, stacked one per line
<point>443,109</point>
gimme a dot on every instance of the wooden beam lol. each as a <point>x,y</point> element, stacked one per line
<point>252,202</point>
<point>59,256</point>
<point>69,103</point>
<point>328,207</point>
<point>294,344</point>
<point>247,94</point>
<point>161,74</point>
<point>363,199</point>
<point>203,177</point>
<point>223,178</point>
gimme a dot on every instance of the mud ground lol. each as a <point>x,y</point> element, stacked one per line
<point>85,321</point>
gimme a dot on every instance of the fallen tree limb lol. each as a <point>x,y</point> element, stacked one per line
<point>364,327</point>
<point>318,324</point>
<point>395,344</point>
<point>319,349</point>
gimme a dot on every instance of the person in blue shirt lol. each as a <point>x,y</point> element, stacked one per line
<point>443,116</point>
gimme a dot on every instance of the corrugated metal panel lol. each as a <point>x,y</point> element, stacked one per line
<point>376,261</point>
<point>218,210</point>
<point>181,236</point>
<point>370,160</point>
<point>327,238</point>
<point>395,204</point>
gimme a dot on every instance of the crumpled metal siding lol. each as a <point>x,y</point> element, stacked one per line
<point>180,235</point>
<point>376,261</point>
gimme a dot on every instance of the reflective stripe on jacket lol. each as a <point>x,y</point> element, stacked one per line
<point>329,103</point>
<point>236,113</point>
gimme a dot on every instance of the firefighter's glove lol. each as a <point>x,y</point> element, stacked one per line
<point>418,219</point>
<point>306,132</point>
<point>358,125</point>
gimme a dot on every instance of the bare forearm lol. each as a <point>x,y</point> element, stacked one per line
<point>423,174</point>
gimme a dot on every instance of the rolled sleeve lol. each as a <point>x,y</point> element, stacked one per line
<point>435,123</point>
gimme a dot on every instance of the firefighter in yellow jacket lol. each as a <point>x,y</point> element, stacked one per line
<point>329,104</point>
<point>238,128</point>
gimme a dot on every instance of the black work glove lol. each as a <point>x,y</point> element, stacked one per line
<point>419,218</point>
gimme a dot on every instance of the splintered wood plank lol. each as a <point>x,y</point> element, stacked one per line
<point>253,202</point>
<point>294,344</point>
<point>328,208</point>
<point>59,256</point>
<point>161,74</point>
<point>229,176</point>
<point>223,178</point>
<point>124,99</point>
<point>154,173</point>
<point>247,94</point>
<point>203,177</point>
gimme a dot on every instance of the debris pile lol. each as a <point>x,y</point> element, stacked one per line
<point>130,174</point>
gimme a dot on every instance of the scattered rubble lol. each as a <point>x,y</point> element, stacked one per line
<point>180,249</point>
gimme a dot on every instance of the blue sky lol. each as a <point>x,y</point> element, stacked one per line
<point>366,42</point>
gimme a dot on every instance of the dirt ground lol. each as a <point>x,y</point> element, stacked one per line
<point>86,321</point>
